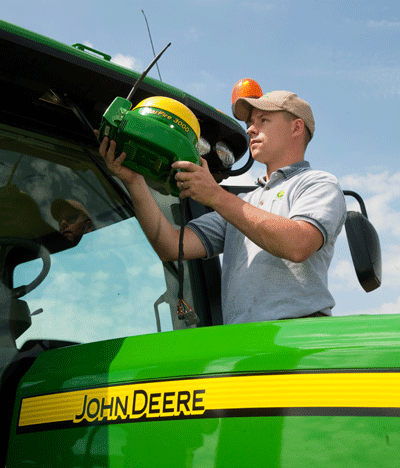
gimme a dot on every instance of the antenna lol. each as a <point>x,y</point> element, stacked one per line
<point>142,76</point>
<point>152,46</point>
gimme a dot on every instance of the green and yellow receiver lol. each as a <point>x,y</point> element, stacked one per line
<point>154,134</point>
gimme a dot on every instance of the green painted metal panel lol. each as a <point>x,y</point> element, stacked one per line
<point>257,442</point>
<point>277,437</point>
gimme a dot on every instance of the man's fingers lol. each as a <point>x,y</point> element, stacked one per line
<point>186,170</point>
<point>186,165</point>
<point>182,177</point>
<point>110,152</point>
<point>111,148</point>
<point>118,161</point>
<point>103,147</point>
<point>107,152</point>
<point>204,163</point>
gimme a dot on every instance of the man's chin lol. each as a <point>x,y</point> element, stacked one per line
<point>68,235</point>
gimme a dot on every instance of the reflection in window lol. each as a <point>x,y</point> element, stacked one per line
<point>103,288</point>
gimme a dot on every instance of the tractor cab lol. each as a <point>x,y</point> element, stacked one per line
<point>96,366</point>
<point>77,270</point>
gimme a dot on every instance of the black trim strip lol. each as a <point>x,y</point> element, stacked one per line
<point>226,413</point>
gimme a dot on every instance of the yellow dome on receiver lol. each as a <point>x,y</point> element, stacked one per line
<point>175,107</point>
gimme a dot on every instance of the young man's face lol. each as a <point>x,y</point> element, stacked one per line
<point>269,135</point>
<point>73,224</point>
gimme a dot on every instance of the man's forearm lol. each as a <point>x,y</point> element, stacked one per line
<point>161,234</point>
<point>280,236</point>
<point>159,231</point>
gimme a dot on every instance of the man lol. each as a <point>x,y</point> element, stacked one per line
<point>72,217</point>
<point>277,240</point>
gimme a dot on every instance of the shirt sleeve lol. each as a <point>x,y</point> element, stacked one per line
<point>320,201</point>
<point>210,228</point>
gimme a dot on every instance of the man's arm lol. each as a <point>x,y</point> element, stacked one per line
<point>280,236</point>
<point>163,237</point>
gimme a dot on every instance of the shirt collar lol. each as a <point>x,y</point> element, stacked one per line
<point>284,172</point>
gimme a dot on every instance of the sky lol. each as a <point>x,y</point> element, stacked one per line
<point>340,56</point>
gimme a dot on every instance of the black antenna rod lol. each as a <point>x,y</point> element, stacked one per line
<point>142,76</point>
<point>151,41</point>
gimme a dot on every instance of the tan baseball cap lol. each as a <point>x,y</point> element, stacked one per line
<point>60,206</point>
<point>276,101</point>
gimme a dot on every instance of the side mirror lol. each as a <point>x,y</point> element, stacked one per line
<point>364,247</point>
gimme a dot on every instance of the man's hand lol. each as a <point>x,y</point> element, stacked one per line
<point>107,152</point>
<point>197,182</point>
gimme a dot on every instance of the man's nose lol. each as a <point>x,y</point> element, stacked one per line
<point>63,224</point>
<point>251,130</point>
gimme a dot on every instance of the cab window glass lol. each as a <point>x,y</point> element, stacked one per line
<point>103,288</point>
<point>105,280</point>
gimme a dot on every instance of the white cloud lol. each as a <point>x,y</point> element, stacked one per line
<point>134,270</point>
<point>384,79</point>
<point>246,179</point>
<point>384,24</point>
<point>100,276</point>
<point>192,35</point>
<point>344,277</point>
<point>258,6</point>
<point>128,61</point>
<point>203,3</point>
<point>384,309</point>
<point>80,323</point>
<point>206,83</point>
<point>381,193</point>
<point>249,177</point>
<point>197,89</point>
<point>385,191</point>
<point>376,182</point>
<point>155,271</point>
<point>373,24</point>
<point>391,266</point>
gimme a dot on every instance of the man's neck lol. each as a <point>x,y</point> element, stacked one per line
<point>274,167</point>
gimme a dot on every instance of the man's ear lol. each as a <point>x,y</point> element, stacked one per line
<point>298,127</point>
<point>88,226</point>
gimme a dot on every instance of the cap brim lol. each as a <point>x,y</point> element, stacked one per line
<point>243,107</point>
<point>59,206</point>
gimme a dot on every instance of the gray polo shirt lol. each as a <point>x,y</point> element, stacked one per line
<point>256,285</point>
